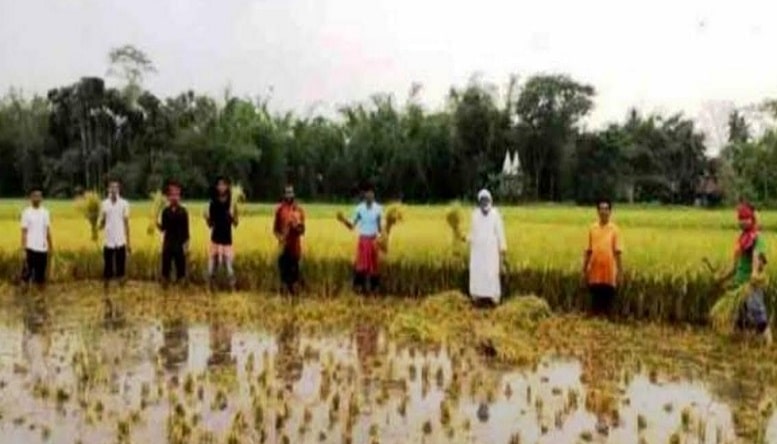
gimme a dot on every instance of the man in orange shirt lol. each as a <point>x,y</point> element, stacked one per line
<point>602,268</point>
<point>288,228</point>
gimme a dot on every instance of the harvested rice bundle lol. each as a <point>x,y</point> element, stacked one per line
<point>88,204</point>
<point>523,312</point>
<point>238,198</point>
<point>454,218</point>
<point>412,327</point>
<point>724,313</point>
<point>511,347</point>
<point>157,205</point>
<point>394,215</point>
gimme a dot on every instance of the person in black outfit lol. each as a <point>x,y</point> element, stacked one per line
<point>221,217</point>
<point>175,226</point>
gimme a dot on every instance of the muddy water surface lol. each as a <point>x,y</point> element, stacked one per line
<point>68,375</point>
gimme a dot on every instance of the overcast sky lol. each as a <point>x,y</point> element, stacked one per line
<point>696,56</point>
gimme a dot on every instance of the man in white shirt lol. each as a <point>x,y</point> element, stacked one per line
<point>114,219</point>
<point>36,239</point>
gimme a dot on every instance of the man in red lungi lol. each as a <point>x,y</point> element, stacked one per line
<point>367,218</point>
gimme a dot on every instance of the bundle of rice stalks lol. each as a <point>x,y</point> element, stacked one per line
<point>723,314</point>
<point>157,205</point>
<point>522,312</point>
<point>512,347</point>
<point>412,327</point>
<point>88,204</point>
<point>238,198</point>
<point>454,217</point>
<point>445,304</point>
<point>394,215</point>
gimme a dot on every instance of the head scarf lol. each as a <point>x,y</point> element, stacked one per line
<point>485,194</point>
<point>746,211</point>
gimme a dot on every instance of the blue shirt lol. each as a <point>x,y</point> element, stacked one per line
<point>368,219</point>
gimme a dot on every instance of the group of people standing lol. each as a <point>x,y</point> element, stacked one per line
<point>221,217</point>
<point>602,265</point>
<point>601,272</point>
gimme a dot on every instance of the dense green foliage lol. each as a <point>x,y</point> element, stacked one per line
<point>84,132</point>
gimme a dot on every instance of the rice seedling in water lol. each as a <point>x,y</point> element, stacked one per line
<point>483,412</point>
<point>641,422</point>
<point>445,413</point>
<point>402,407</point>
<point>685,419</point>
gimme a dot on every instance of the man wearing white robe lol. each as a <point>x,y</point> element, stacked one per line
<point>487,248</point>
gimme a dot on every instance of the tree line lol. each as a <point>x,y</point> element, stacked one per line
<point>80,134</point>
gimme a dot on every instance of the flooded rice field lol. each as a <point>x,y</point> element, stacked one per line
<point>146,367</point>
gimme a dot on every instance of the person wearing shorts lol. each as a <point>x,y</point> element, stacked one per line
<point>221,218</point>
<point>36,239</point>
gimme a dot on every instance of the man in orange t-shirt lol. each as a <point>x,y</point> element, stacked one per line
<point>602,267</point>
<point>289,227</point>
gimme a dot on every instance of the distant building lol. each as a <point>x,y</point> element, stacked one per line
<point>510,179</point>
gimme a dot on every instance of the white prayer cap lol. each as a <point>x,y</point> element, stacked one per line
<point>484,194</point>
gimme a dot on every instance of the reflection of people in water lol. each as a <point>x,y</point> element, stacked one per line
<point>366,344</point>
<point>36,315</point>
<point>113,316</point>
<point>220,344</point>
<point>175,350</point>
<point>36,339</point>
<point>289,359</point>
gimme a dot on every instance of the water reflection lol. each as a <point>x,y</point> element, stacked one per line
<point>366,338</point>
<point>36,339</point>
<point>74,382</point>
<point>113,314</point>
<point>220,344</point>
<point>288,359</point>
<point>36,314</point>
<point>175,350</point>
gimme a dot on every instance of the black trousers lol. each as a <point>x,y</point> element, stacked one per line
<point>114,262</point>
<point>288,264</point>
<point>602,299</point>
<point>363,283</point>
<point>35,267</point>
<point>173,256</point>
